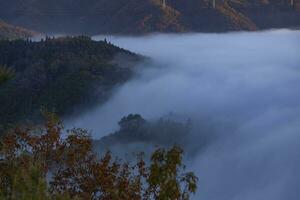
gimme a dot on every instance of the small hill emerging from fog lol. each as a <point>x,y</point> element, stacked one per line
<point>136,134</point>
<point>134,128</point>
<point>62,75</point>
<point>13,32</point>
<point>146,16</point>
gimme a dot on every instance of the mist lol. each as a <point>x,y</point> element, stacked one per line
<point>245,85</point>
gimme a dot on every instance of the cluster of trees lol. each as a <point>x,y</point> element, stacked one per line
<point>57,75</point>
<point>38,163</point>
<point>134,128</point>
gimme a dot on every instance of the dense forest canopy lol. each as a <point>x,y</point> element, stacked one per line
<point>57,75</point>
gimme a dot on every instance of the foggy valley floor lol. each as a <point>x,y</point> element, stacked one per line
<point>240,90</point>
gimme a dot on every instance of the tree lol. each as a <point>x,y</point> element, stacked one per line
<point>73,170</point>
<point>164,178</point>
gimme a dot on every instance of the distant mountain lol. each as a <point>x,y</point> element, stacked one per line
<point>13,32</point>
<point>144,16</point>
<point>63,75</point>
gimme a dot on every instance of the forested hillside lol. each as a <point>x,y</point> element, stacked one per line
<point>61,75</point>
<point>144,16</point>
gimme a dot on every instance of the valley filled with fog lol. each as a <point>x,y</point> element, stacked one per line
<point>240,91</point>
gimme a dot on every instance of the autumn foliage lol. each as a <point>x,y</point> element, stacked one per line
<point>51,163</point>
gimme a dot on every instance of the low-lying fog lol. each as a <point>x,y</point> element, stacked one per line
<point>246,85</point>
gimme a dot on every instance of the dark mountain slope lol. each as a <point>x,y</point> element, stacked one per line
<point>94,16</point>
<point>270,13</point>
<point>143,16</point>
<point>61,75</point>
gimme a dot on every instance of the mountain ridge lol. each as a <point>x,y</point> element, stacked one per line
<point>139,17</point>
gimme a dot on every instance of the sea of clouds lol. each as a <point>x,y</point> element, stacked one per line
<point>245,85</point>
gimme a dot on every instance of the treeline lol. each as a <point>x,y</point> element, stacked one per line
<point>37,163</point>
<point>58,74</point>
